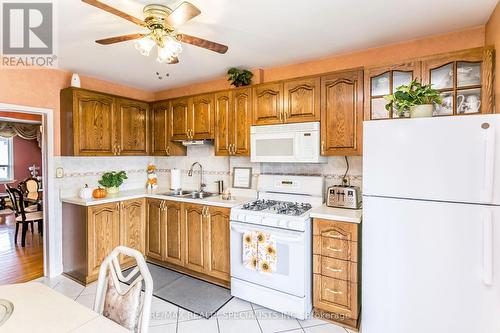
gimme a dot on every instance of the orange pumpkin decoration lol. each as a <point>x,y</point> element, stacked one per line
<point>99,193</point>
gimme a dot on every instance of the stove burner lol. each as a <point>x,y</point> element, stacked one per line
<point>278,207</point>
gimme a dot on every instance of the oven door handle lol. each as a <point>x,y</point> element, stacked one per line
<point>290,238</point>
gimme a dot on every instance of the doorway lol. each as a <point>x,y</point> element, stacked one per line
<point>25,153</point>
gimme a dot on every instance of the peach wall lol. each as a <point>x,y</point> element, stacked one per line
<point>458,40</point>
<point>492,37</point>
<point>40,87</point>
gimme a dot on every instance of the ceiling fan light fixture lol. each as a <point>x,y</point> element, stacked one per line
<point>145,45</point>
<point>169,51</point>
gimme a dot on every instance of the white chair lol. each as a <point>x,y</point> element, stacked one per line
<point>110,289</point>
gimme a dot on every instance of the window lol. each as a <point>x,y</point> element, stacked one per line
<point>6,160</point>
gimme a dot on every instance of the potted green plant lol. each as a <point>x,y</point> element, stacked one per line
<point>416,98</point>
<point>112,180</point>
<point>239,77</point>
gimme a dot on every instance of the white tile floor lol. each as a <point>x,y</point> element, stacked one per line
<point>237,316</point>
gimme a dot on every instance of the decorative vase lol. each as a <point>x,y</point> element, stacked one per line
<point>421,111</point>
<point>113,190</point>
<point>75,80</point>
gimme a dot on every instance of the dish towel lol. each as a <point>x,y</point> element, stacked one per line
<point>259,252</point>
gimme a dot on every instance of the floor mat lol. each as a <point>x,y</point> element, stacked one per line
<point>197,296</point>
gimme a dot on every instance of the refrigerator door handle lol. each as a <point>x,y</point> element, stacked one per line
<point>489,163</point>
<point>488,248</point>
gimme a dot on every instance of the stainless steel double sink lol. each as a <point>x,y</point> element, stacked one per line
<point>189,194</point>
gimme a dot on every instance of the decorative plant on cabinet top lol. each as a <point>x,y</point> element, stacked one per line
<point>239,77</point>
<point>415,98</point>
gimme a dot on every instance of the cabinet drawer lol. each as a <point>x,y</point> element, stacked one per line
<point>337,230</point>
<point>335,248</point>
<point>336,268</point>
<point>336,296</point>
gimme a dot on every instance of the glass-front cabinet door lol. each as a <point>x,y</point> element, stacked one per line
<point>464,80</point>
<point>381,81</point>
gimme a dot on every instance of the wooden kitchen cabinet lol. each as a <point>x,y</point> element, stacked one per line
<point>87,123</point>
<point>268,104</point>
<point>132,127</point>
<point>179,118</point>
<point>301,100</point>
<point>133,227</point>
<point>155,229</point>
<point>194,216</point>
<point>161,139</point>
<point>201,117</point>
<point>174,233</point>
<point>233,118</point>
<point>336,267</point>
<point>103,232</point>
<point>217,230</point>
<point>342,113</point>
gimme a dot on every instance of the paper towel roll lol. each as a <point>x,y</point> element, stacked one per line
<point>175,179</point>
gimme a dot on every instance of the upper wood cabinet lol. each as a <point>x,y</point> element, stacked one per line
<point>268,104</point>
<point>301,100</point>
<point>383,80</point>
<point>342,113</point>
<point>465,80</point>
<point>133,227</point>
<point>132,127</point>
<point>233,118</point>
<point>161,143</point>
<point>95,124</point>
<point>87,123</point>
<point>179,118</point>
<point>201,117</point>
<point>103,234</point>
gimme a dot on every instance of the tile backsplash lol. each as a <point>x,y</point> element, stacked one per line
<point>79,171</point>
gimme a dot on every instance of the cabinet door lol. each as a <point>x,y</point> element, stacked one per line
<point>341,113</point>
<point>179,110</point>
<point>302,100</point>
<point>268,104</point>
<point>464,79</point>
<point>159,128</point>
<point>155,229</point>
<point>223,123</point>
<point>195,238</point>
<point>133,127</point>
<point>217,243</point>
<point>203,117</point>
<point>383,80</point>
<point>93,123</point>
<point>132,226</point>
<point>103,230</point>
<point>242,120</point>
<point>174,233</point>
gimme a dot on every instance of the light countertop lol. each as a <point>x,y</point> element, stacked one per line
<point>157,194</point>
<point>337,214</point>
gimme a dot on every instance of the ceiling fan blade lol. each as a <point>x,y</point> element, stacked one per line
<point>183,13</point>
<point>206,44</point>
<point>119,39</point>
<point>114,11</point>
<point>174,61</point>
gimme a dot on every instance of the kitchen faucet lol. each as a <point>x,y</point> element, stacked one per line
<point>190,174</point>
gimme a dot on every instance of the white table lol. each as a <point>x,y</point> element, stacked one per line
<point>37,308</point>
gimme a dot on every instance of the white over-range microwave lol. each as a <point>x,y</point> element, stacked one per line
<point>287,143</point>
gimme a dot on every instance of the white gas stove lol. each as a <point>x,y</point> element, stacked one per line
<point>281,214</point>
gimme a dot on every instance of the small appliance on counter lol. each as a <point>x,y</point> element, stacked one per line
<point>345,195</point>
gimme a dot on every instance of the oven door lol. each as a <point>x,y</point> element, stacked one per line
<point>289,276</point>
<point>273,147</point>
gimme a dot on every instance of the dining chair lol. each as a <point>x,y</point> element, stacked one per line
<point>22,216</point>
<point>29,187</point>
<point>118,297</point>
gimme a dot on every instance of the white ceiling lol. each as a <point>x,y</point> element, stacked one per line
<point>259,33</point>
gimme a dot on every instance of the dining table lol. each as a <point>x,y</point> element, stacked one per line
<point>38,308</point>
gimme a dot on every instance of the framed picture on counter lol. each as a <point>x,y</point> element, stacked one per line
<point>242,177</point>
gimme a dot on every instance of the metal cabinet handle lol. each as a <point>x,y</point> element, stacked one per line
<point>322,147</point>
<point>336,270</point>
<point>333,249</point>
<point>285,116</point>
<point>335,292</point>
<point>280,115</point>
<point>168,150</point>
<point>119,149</point>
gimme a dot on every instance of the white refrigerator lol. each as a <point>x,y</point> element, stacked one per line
<point>431,225</point>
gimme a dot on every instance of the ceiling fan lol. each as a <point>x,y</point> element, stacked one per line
<point>162,23</point>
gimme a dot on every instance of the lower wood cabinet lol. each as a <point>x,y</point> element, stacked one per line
<point>91,233</point>
<point>336,280</point>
